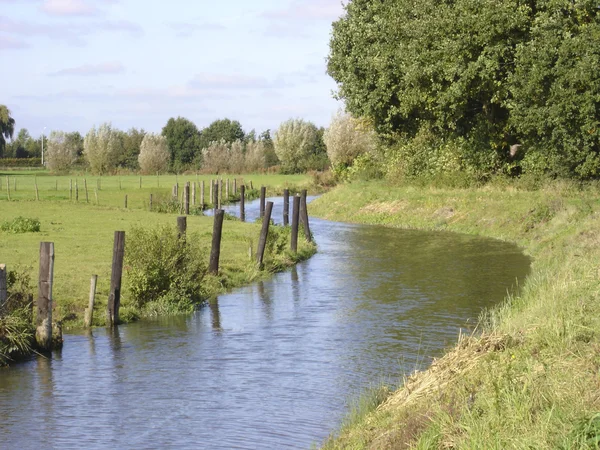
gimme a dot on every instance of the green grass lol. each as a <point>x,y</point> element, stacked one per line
<point>531,379</point>
<point>83,238</point>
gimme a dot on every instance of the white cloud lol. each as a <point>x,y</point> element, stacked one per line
<point>69,8</point>
<point>9,43</point>
<point>107,68</point>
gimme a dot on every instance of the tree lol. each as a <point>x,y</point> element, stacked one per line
<point>271,158</point>
<point>132,141</point>
<point>222,130</point>
<point>346,138</point>
<point>102,148</point>
<point>295,142</point>
<point>221,156</point>
<point>7,127</point>
<point>183,139</point>
<point>61,151</point>
<point>153,154</point>
<point>255,158</point>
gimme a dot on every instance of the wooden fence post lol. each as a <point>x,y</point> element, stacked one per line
<point>37,194</point>
<point>89,311</point>
<point>186,194</point>
<point>96,194</point>
<point>181,226</point>
<point>264,233</point>
<point>215,252</point>
<point>243,203</point>
<point>295,220</point>
<point>304,216</point>
<point>235,186</point>
<point>227,191</point>
<point>193,193</point>
<point>114,295</point>
<point>220,196</point>
<point>43,331</point>
<point>8,188</point>
<point>140,182</point>
<point>70,189</point>
<point>286,207</point>
<point>87,198</point>
<point>150,202</point>
<point>3,287</point>
<point>211,189</point>
<point>215,197</point>
<point>202,203</point>
<point>125,201</point>
<point>263,195</point>
<point>76,191</point>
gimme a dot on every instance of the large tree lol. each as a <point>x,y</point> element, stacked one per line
<point>491,72</point>
<point>226,130</point>
<point>7,127</point>
<point>61,151</point>
<point>183,139</point>
<point>295,142</point>
<point>103,148</point>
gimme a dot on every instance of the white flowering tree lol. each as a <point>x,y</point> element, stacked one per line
<point>346,138</point>
<point>102,148</point>
<point>154,154</point>
<point>61,152</point>
<point>256,156</point>
<point>295,141</point>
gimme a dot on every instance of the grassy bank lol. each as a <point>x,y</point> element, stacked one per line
<point>531,379</point>
<point>83,238</point>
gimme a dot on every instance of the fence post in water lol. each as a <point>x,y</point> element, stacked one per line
<point>89,311</point>
<point>243,203</point>
<point>43,331</point>
<point>87,198</point>
<point>3,289</point>
<point>202,195</point>
<point>264,233</point>
<point>215,252</point>
<point>286,207</point>
<point>181,226</point>
<point>304,216</point>
<point>186,194</point>
<point>114,295</point>
<point>295,220</point>
<point>263,195</point>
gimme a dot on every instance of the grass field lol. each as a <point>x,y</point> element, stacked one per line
<point>83,232</point>
<point>532,378</point>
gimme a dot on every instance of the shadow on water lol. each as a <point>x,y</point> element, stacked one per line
<point>270,365</point>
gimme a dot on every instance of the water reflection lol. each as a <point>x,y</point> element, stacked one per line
<point>270,365</point>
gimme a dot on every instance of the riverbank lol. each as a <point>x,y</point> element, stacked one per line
<point>530,380</point>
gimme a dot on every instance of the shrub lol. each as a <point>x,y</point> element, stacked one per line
<point>164,272</point>
<point>21,225</point>
<point>20,162</point>
<point>346,138</point>
<point>154,154</point>
<point>294,142</point>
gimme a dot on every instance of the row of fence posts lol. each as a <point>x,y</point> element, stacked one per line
<point>43,332</point>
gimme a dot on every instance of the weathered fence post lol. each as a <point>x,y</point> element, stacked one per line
<point>194,194</point>
<point>87,198</point>
<point>215,197</point>
<point>295,220</point>
<point>286,207</point>
<point>76,191</point>
<point>114,295</point>
<point>8,188</point>
<point>264,233</point>
<point>211,189</point>
<point>140,182</point>
<point>70,189</point>
<point>125,201</point>
<point>3,287</point>
<point>181,226</point>
<point>37,194</point>
<point>215,252</point>
<point>263,195</point>
<point>96,194</point>
<point>150,202</point>
<point>304,216</point>
<point>186,194</point>
<point>243,203</point>
<point>251,187</point>
<point>234,186</point>
<point>227,191</point>
<point>43,331</point>
<point>202,196</point>
<point>220,197</point>
<point>89,311</point>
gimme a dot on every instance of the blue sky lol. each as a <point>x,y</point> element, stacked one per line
<point>72,64</point>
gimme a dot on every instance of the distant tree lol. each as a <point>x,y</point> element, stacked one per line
<point>223,157</point>
<point>255,157</point>
<point>102,148</point>
<point>7,127</point>
<point>346,138</point>
<point>132,141</point>
<point>222,130</point>
<point>61,151</point>
<point>295,142</point>
<point>183,139</point>
<point>76,140</point>
<point>271,158</point>
<point>154,154</point>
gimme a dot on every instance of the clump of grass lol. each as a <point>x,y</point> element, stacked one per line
<point>21,225</point>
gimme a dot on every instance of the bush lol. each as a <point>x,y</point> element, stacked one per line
<point>20,162</point>
<point>346,138</point>
<point>102,148</point>
<point>154,154</point>
<point>295,142</point>
<point>21,225</point>
<point>164,272</point>
<point>61,153</point>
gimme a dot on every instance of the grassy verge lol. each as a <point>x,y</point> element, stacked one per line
<point>531,378</point>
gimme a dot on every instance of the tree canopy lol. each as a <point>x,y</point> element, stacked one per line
<point>222,130</point>
<point>7,127</point>
<point>491,72</point>
<point>183,139</point>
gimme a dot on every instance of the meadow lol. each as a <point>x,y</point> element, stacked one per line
<point>83,230</point>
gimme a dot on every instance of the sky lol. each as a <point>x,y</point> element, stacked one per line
<point>73,64</point>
